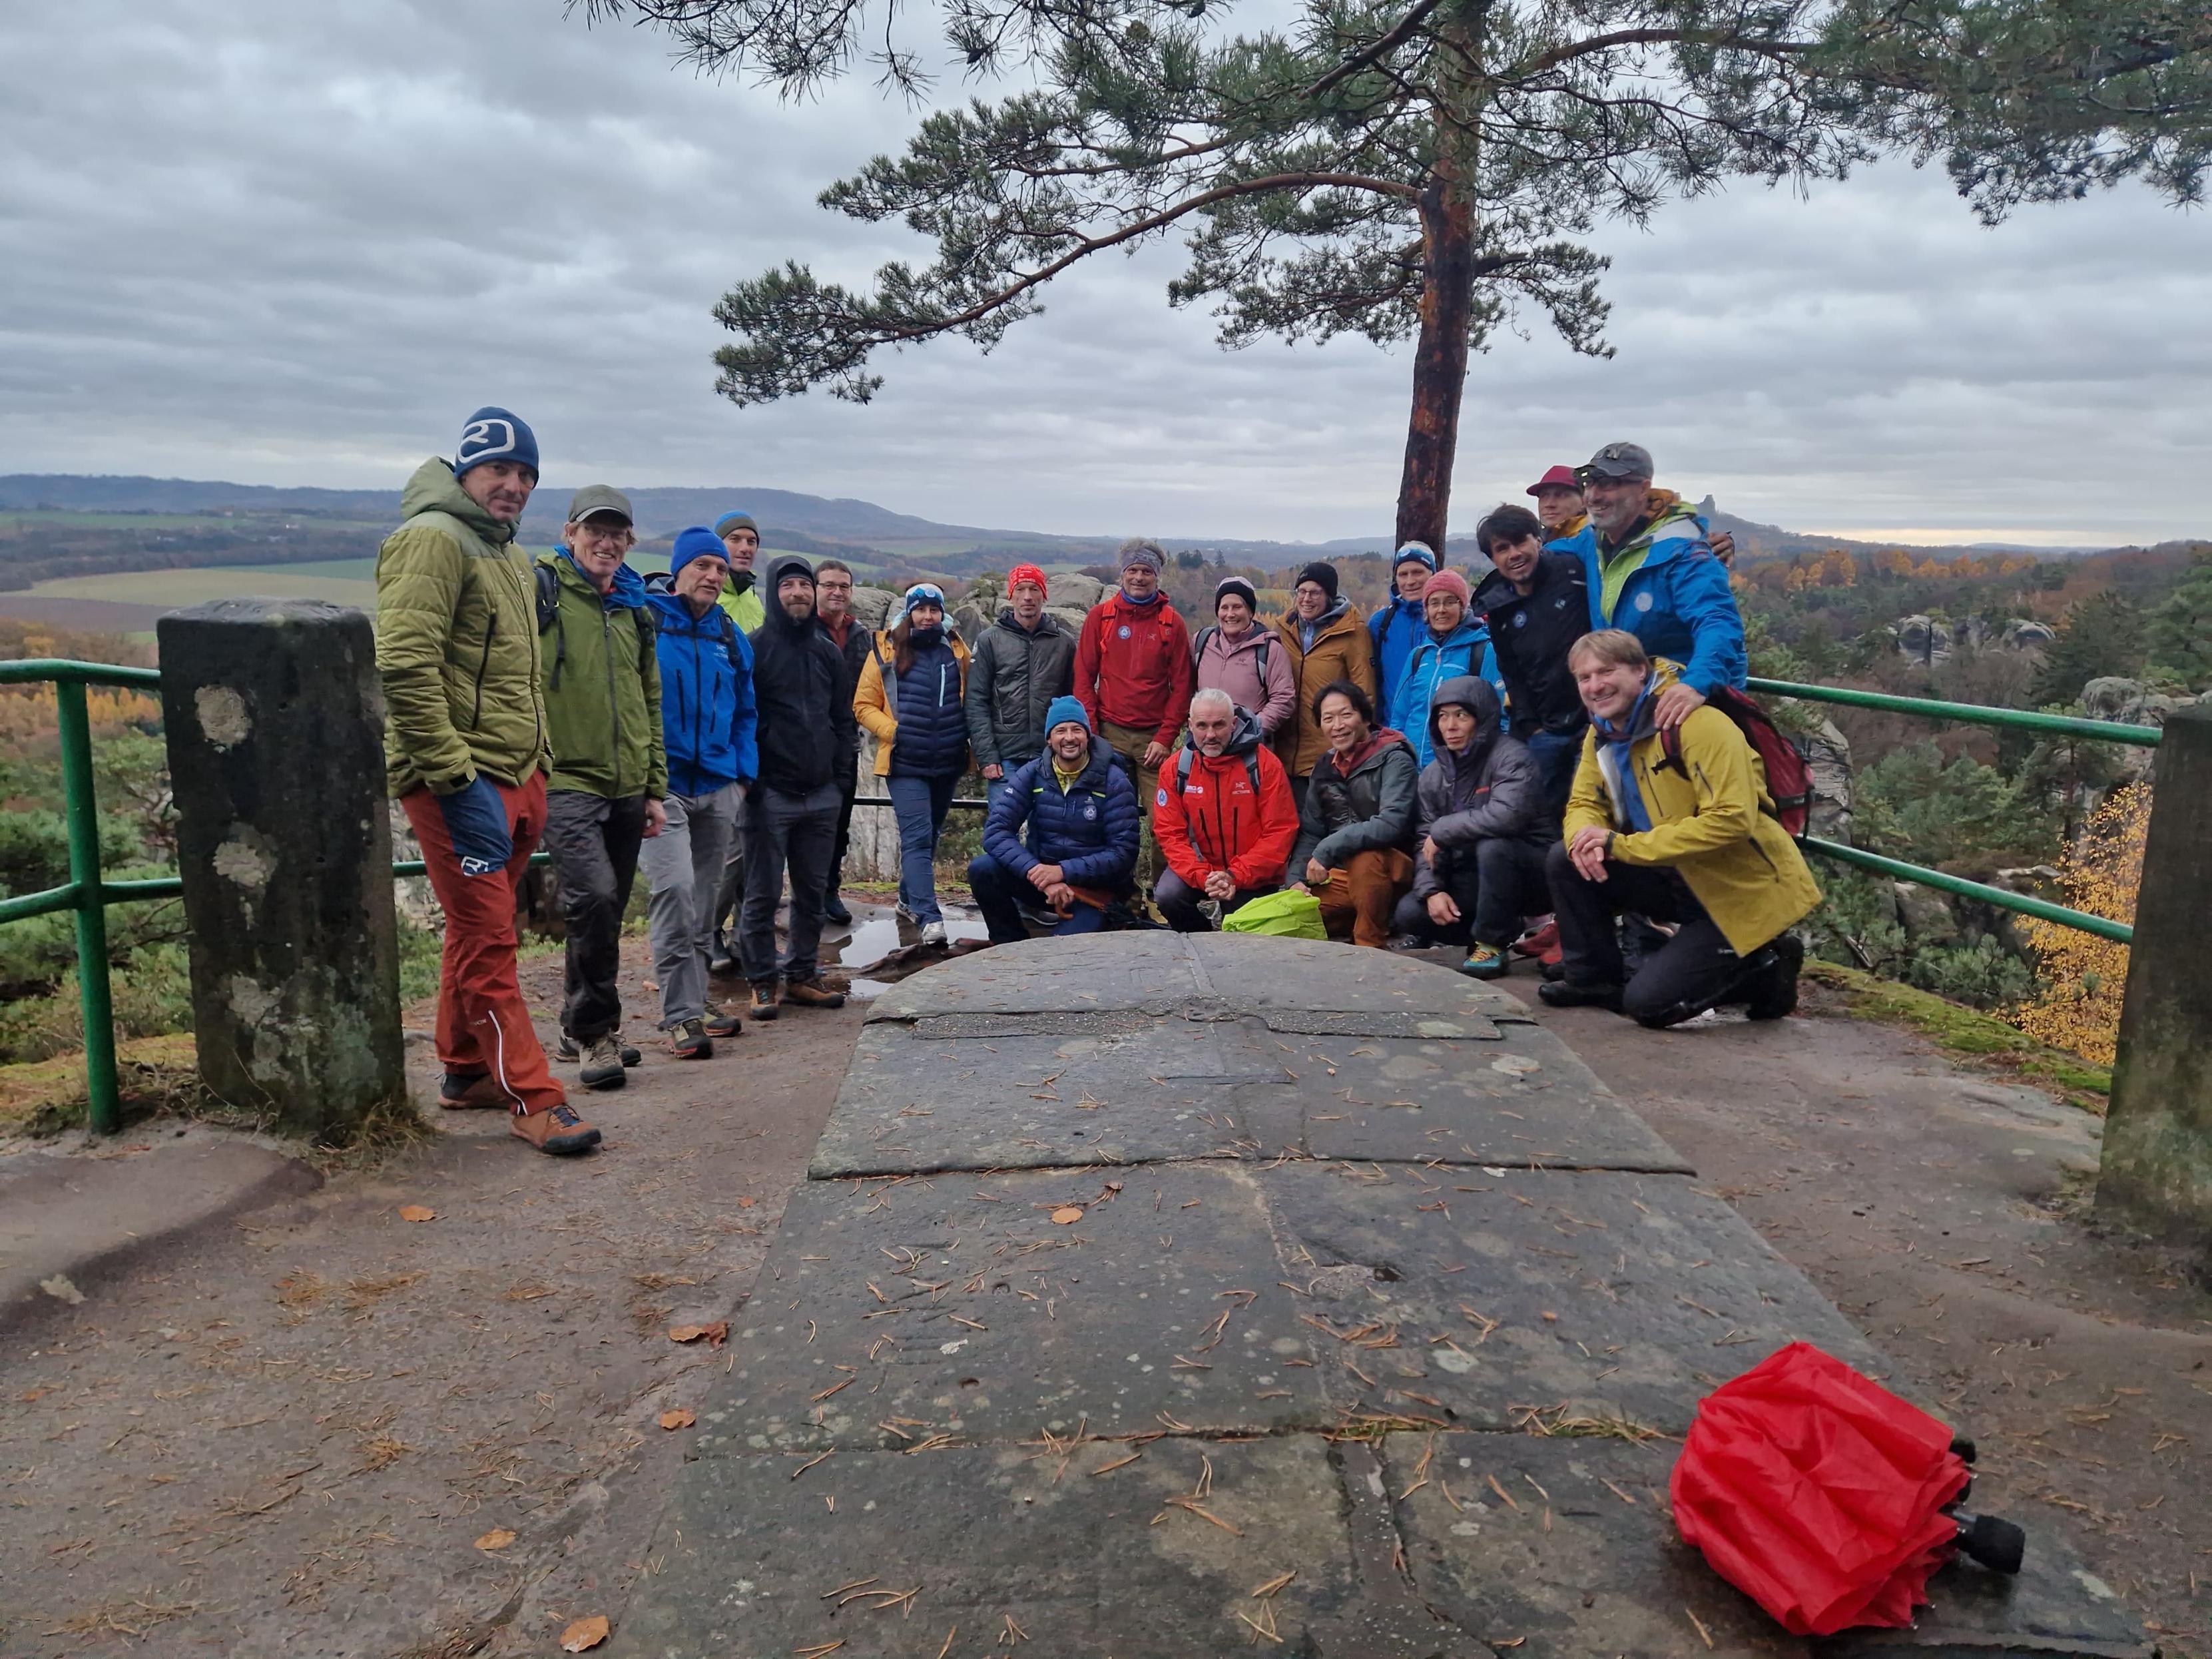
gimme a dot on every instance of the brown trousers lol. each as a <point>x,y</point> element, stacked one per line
<point>1359,897</point>
<point>1130,744</point>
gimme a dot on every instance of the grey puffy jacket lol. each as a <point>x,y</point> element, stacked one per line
<point>1012,678</point>
<point>1490,789</point>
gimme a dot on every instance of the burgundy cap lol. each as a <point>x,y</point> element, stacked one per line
<point>1564,477</point>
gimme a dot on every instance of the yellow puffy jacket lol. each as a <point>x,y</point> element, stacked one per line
<point>1712,820</point>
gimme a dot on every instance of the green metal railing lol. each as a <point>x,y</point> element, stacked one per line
<point>86,895</point>
<point>2018,719</point>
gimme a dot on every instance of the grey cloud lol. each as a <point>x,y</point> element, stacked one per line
<point>278,243</point>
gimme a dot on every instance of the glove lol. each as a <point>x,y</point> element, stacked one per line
<point>476,820</point>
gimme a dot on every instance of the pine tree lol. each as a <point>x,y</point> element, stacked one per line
<point>2101,635</point>
<point>2180,631</point>
<point>1414,169</point>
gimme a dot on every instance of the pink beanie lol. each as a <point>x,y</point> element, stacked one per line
<point>1448,581</point>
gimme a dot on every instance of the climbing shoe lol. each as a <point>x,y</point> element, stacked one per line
<point>1774,993</point>
<point>603,1064</point>
<point>556,1130</point>
<point>718,1023</point>
<point>764,999</point>
<point>1566,993</point>
<point>812,993</point>
<point>690,1041</point>
<point>460,1093</point>
<point>1485,961</point>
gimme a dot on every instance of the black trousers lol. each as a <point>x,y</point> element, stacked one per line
<point>1495,884</point>
<point>1178,902</point>
<point>848,785</point>
<point>594,843</point>
<point>1693,971</point>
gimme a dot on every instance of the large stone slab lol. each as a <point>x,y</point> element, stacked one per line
<point>1613,1296</point>
<point>959,1306</point>
<point>1255,974</point>
<point>1027,1550</point>
<point>1091,972</point>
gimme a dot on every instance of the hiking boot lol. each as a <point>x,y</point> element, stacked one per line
<point>764,997</point>
<point>722,955</point>
<point>603,1064</point>
<point>1485,961</point>
<point>566,1049</point>
<point>460,1093</point>
<point>557,1130</point>
<point>1565,993</point>
<point>1402,942</point>
<point>718,1023</point>
<point>932,933</point>
<point>813,994</point>
<point>834,910</point>
<point>690,1041</point>
<point>1775,993</point>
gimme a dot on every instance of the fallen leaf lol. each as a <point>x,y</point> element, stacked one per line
<point>1067,1215</point>
<point>747,1203</point>
<point>584,1633</point>
<point>680,1417</point>
<point>417,1212</point>
<point>62,1290</point>
<point>497,1539</point>
<point>716,1333</point>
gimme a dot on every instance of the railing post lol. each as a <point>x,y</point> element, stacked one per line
<point>81,811</point>
<point>2157,1159</point>
<point>275,721</point>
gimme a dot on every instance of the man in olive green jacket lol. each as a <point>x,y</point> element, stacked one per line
<point>466,753</point>
<point>602,677</point>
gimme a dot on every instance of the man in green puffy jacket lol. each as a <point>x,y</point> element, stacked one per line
<point>466,753</point>
<point>602,681</point>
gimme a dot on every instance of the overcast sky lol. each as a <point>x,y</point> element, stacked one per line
<point>271,242</point>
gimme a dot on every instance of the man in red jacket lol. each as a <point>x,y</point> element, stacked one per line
<point>1133,670</point>
<point>1226,816</point>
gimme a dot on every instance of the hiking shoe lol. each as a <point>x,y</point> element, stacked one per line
<point>932,933</point>
<point>460,1093</point>
<point>1565,993</point>
<point>764,996</point>
<point>812,993</point>
<point>1775,993</point>
<point>690,1041</point>
<point>722,955</point>
<point>566,1049</point>
<point>603,1064</point>
<point>1485,961</point>
<point>834,910</point>
<point>556,1130</point>
<point>1406,942</point>
<point>719,1023</point>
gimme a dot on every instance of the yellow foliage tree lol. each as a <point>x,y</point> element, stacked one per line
<point>2086,976</point>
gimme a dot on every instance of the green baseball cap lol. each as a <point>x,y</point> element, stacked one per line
<point>594,499</point>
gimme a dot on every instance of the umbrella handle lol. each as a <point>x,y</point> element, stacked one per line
<point>1997,1544</point>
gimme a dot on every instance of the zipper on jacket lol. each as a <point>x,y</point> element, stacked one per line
<point>484,663</point>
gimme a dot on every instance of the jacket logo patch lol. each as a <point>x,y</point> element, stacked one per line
<point>1521,617</point>
<point>1124,631</point>
<point>1159,798</point>
<point>1091,809</point>
<point>1188,789</point>
<point>1644,600</point>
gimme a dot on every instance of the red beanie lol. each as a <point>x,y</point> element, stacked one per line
<point>1025,572</point>
<point>1448,581</point>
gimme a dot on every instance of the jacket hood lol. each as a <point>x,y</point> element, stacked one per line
<point>1047,623</point>
<point>1328,619</point>
<point>627,592</point>
<point>772,579</point>
<point>1477,696</point>
<point>674,612</point>
<point>434,488</point>
<point>1472,629</point>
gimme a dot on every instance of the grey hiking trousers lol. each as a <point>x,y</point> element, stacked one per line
<point>682,869</point>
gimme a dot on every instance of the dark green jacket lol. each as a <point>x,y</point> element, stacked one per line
<point>602,676</point>
<point>456,644</point>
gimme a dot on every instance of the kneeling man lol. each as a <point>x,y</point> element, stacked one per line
<point>1081,814</point>
<point>1223,815</point>
<point>1680,827</point>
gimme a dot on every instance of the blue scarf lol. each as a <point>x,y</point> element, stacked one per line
<point>1128,598</point>
<point>627,592</point>
<point>1618,739</point>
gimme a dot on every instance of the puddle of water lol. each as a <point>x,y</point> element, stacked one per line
<point>874,937</point>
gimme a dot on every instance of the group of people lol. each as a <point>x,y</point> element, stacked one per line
<point>1465,762</point>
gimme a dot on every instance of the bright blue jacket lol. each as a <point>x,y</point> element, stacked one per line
<point>1677,600</point>
<point>1089,831</point>
<point>1466,651</point>
<point>1396,628</point>
<point>707,713</point>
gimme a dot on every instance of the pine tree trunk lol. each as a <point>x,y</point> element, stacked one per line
<point>1439,361</point>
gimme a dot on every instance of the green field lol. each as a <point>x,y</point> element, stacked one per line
<point>342,581</point>
<point>20,518</point>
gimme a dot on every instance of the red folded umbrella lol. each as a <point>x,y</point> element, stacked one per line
<point>1824,1497</point>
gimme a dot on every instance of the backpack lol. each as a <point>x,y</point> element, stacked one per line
<point>648,627</point>
<point>1198,648</point>
<point>1788,775</point>
<point>1182,770</point>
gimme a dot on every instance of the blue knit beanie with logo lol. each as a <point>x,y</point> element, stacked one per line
<point>1062,710</point>
<point>494,433</point>
<point>696,543</point>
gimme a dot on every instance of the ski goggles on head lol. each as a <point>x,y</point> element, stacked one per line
<point>924,593</point>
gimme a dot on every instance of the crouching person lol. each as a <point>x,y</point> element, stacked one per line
<point>1080,810</point>
<point>1355,825</point>
<point>1680,828</point>
<point>1483,834</point>
<point>1223,815</point>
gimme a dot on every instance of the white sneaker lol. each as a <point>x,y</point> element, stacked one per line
<point>932,933</point>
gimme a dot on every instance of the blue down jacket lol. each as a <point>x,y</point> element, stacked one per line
<point>1466,651</point>
<point>1089,831</point>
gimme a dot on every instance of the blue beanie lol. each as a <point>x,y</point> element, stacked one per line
<point>696,543</point>
<point>1063,709</point>
<point>494,433</point>
<point>929,591</point>
<point>1418,553</point>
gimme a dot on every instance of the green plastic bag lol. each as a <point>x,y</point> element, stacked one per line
<point>1286,914</point>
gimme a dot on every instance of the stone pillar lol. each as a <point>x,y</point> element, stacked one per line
<point>2157,1172</point>
<point>275,733</point>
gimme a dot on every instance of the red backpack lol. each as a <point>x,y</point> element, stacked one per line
<point>1788,775</point>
